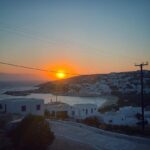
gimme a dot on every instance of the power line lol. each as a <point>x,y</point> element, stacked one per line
<point>142,94</point>
<point>38,69</point>
<point>21,32</point>
<point>27,34</point>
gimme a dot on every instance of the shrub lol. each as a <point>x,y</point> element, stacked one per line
<point>92,121</point>
<point>47,114</point>
<point>33,133</point>
<point>4,119</point>
<point>61,115</point>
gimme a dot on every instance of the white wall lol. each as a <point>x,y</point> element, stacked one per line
<point>15,106</point>
<point>82,111</point>
<point>79,110</point>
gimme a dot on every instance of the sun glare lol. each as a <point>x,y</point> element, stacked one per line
<point>60,75</point>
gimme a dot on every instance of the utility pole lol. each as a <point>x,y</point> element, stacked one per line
<point>142,93</point>
<point>56,97</point>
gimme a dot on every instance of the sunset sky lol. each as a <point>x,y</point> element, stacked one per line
<point>76,36</point>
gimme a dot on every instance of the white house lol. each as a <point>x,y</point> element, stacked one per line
<point>129,111</point>
<point>57,107</point>
<point>77,111</point>
<point>124,116</point>
<point>22,106</point>
<point>82,111</point>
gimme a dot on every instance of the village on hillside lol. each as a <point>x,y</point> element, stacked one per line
<point>128,115</point>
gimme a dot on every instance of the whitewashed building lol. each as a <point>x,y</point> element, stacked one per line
<point>82,111</point>
<point>124,116</point>
<point>55,108</point>
<point>129,111</point>
<point>22,106</point>
<point>77,111</point>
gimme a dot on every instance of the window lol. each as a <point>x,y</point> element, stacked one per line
<point>1,106</point>
<point>86,111</point>
<point>38,107</point>
<point>23,108</point>
<point>73,113</point>
<point>91,110</point>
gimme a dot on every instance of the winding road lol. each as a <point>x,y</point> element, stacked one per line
<point>97,139</point>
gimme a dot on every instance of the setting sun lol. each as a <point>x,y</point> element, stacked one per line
<point>60,75</point>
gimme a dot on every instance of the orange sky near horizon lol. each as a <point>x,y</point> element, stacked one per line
<point>64,67</point>
<point>77,37</point>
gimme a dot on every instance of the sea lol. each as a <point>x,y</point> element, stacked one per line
<point>27,85</point>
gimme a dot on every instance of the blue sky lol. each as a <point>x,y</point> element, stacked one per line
<point>92,36</point>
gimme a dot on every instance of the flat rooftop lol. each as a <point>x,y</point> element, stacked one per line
<point>21,100</point>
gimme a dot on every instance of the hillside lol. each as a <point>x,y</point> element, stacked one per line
<point>125,85</point>
<point>99,84</point>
